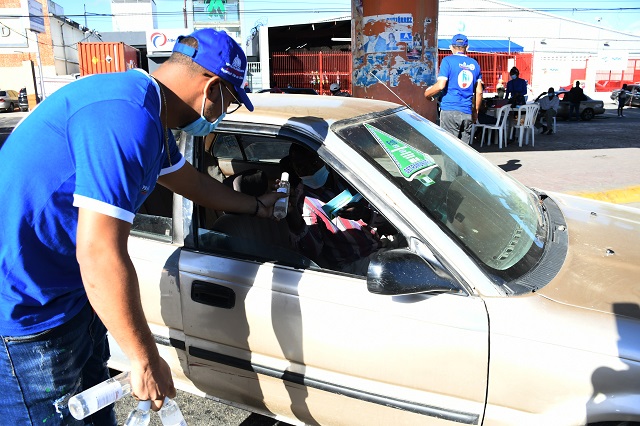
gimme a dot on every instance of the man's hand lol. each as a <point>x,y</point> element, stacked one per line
<point>152,383</point>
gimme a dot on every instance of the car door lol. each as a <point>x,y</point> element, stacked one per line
<point>272,332</point>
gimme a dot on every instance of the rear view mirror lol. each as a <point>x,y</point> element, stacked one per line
<point>400,271</point>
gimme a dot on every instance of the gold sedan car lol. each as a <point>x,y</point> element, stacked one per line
<point>499,304</point>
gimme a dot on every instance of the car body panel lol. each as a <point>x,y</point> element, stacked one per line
<point>592,105</point>
<point>311,345</point>
<point>633,95</point>
<point>9,100</point>
<point>293,322</point>
<point>603,260</point>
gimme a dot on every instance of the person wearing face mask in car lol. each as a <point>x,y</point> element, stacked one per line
<point>65,273</point>
<point>549,105</point>
<point>342,240</point>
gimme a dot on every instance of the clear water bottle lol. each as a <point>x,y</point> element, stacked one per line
<point>280,207</point>
<point>96,398</point>
<point>139,416</point>
<point>170,414</point>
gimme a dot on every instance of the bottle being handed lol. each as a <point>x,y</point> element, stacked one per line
<point>99,396</point>
<point>139,416</point>
<point>170,414</point>
<point>280,207</point>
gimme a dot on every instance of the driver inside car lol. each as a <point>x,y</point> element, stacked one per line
<point>342,239</point>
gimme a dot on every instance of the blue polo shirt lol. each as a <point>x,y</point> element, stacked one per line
<point>462,74</point>
<point>96,143</point>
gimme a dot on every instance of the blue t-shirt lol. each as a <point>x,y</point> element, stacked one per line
<point>462,74</point>
<point>96,143</point>
<point>517,85</point>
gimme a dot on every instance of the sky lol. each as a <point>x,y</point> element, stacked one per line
<point>609,14</point>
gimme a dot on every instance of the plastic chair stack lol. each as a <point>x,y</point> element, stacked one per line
<point>525,121</point>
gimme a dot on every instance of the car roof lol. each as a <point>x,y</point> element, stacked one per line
<point>280,109</point>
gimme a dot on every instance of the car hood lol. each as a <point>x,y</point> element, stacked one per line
<point>602,267</point>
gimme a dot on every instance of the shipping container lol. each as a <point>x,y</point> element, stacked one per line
<point>104,57</point>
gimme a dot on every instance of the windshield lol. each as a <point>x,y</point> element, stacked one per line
<point>492,216</point>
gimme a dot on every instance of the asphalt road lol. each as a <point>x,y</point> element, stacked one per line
<point>595,157</point>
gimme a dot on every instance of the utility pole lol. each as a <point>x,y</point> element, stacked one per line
<point>85,15</point>
<point>184,11</point>
<point>42,94</point>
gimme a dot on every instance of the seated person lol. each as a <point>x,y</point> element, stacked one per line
<point>342,243</point>
<point>548,109</point>
<point>516,88</point>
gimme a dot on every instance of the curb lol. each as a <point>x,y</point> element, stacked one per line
<point>617,196</point>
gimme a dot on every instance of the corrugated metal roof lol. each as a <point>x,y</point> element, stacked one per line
<point>485,45</point>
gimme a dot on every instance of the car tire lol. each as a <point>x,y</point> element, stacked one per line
<point>587,114</point>
<point>24,109</point>
<point>11,108</point>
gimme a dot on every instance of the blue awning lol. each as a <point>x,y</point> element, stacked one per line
<point>484,45</point>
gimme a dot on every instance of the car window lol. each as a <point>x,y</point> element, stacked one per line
<point>249,148</point>
<point>489,214</point>
<point>154,219</point>
<point>3,93</point>
<point>267,240</point>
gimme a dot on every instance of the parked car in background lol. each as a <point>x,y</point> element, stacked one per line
<point>23,101</point>
<point>589,108</point>
<point>500,305</point>
<point>290,90</point>
<point>633,95</point>
<point>8,100</point>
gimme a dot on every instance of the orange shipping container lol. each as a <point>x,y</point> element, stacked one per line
<point>104,57</point>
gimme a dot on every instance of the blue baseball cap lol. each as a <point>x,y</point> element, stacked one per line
<point>460,40</point>
<point>220,54</point>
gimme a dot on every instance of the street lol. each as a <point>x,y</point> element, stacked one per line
<point>593,158</point>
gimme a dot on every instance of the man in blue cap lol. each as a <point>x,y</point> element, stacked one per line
<point>459,79</point>
<point>74,173</point>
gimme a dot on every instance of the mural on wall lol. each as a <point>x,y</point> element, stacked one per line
<point>388,50</point>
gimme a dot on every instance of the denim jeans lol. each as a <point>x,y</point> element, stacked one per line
<point>457,123</point>
<point>40,372</point>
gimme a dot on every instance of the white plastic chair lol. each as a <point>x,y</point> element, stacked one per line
<point>525,120</point>
<point>553,125</point>
<point>502,115</point>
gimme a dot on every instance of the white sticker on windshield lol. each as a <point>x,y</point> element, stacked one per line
<point>410,161</point>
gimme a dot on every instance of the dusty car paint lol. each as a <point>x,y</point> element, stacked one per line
<point>312,346</point>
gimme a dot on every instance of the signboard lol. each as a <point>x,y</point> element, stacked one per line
<point>10,36</point>
<point>36,17</point>
<point>613,60</point>
<point>163,40</point>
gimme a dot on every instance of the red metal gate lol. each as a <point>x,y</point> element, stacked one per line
<point>311,69</point>
<point>495,66</point>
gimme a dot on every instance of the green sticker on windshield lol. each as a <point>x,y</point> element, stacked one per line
<point>410,161</point>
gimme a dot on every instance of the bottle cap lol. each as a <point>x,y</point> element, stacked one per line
<point>144,405</point>
<point>285,176</point>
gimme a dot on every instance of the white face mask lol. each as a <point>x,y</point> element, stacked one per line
<point>201,126</point>
<point>316,180</point>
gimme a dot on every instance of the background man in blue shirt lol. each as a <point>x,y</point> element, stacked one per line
<point>74,173</point>
<point>458,79</point>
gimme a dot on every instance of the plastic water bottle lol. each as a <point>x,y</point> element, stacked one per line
<point>99,396</point>
<point>280,207</point>
<point>139,416</point>
<point>170,414</point>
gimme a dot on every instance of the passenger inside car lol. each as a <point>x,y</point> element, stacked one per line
<point>344,240</point>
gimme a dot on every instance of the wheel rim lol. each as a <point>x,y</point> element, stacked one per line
<point>587,114</point>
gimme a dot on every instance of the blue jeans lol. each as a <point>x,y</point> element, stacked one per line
<point>457,123</point>
<point>40,372</point>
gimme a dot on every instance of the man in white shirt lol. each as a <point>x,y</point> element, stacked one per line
<point>548,109</point>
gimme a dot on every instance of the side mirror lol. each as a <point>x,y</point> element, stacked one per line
<point>400,271</point>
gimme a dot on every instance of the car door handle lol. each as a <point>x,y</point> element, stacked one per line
<point>213,295</point>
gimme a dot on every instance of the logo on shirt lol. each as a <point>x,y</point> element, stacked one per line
<point>144,189</point>
<point>470,67</point>
<point>465,79</point>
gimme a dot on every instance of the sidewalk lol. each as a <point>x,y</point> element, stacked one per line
<point>598,159</point>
